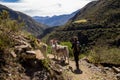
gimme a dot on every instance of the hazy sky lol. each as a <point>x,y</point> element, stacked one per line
<point>45,7</point>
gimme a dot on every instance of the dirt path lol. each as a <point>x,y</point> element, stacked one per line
<point>89,71</point>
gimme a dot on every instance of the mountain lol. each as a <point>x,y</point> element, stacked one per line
<point>98,23</point>
<point>31,25</point>
<point>55,20</point>
<point>101,12</point>
<point>97,26</point>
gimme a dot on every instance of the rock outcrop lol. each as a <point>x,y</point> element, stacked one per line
<point>28,62</point>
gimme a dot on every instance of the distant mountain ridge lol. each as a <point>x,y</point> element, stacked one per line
<point>31,25</point>
<point>55,20</point>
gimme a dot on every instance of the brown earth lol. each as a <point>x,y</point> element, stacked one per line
<point>89,71</point>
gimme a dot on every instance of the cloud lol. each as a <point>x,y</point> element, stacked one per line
<point>59,5</point>
<point>46,7</point>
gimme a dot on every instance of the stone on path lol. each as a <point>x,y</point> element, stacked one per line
<point>39,54</point>
<point>117,70</point>
<point>13,54</point>
<point>30,52</point>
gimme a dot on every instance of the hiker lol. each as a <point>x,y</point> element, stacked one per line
<point>76,50</point>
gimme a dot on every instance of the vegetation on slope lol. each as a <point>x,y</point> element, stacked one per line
<point>102,30</point>
<point>7,28</point>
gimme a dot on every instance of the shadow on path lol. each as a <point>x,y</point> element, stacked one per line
<point>76,71</point>
<point>62,63</point>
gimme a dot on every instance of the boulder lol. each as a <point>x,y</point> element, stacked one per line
<point>39,54</point>
<point>118,76</point>
<point>30,52</point>
<point>13,54</point>
<point>117,70</point>
<point>22,48</point>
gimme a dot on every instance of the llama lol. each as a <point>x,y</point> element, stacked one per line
<point>53,50</point>
<point>59,51</point>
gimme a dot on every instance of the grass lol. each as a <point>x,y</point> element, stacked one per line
<point>69,47</point>
<point>8,28</point>
<point>80,21</point>
<point>105,55</point>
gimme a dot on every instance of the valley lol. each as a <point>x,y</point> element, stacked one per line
<point>26,52</point>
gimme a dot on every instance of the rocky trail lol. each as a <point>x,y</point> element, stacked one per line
<point>89,71</point>
<point>34,71</point>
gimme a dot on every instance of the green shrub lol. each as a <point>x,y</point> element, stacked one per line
<point>33,40</point>
<point>49,49</point>
<point>69,47</point>
<point>5,41</point>
<point>105,55</point>
<point>8,28</point>
<point>45,63</point>
<point>8,25</point>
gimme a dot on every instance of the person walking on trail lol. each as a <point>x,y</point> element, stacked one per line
<point>76,50</point>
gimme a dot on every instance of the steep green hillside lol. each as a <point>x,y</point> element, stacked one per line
<point>104,12</point>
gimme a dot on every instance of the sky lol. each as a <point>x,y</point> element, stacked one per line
<point>45,7</point>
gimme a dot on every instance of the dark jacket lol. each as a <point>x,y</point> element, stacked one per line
<point>76,46</point>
